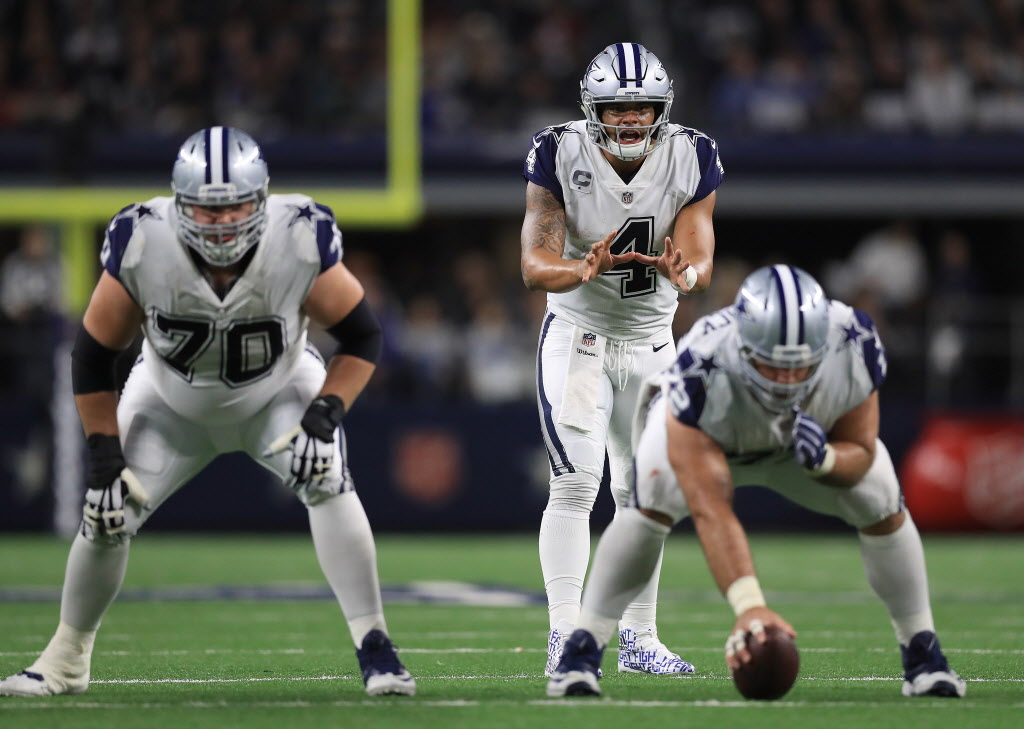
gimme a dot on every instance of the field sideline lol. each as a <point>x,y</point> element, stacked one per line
<point>239,630</point>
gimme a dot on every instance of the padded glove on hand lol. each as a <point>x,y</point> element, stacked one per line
<point>110,483</point>
<point>810,444</point>
<point>311,442</point>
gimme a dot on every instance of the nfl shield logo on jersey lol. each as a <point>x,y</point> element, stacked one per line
<point>589,340</point>
<point>627,198</point>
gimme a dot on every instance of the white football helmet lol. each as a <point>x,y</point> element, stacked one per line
<point>625,72</point>
<point>220,166</point>
<point>783,320</point>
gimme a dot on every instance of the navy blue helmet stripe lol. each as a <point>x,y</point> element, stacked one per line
<point>226,176</point>
<point>620,55</point>
<point>206,145</point>
<point>782,305</point>
<point>799,308</point>
<point>636,61</point>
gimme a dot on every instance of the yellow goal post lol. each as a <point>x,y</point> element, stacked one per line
<point>77,211</point>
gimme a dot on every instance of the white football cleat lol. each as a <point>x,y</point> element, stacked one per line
<point>640,651</point>
<point>26,683</point>
<point>556,641</point>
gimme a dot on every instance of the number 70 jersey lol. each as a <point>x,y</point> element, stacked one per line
<point>211,358</point>
<point>631,301</point>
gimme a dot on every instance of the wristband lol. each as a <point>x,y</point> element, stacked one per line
<point>828,463</point>
<point>690,279</point>
<point>745,593</point>
<point>323,416</point>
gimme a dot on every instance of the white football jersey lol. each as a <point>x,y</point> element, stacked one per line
<point>629,301</point>
<point>212,358</point>
<point>706,385</point>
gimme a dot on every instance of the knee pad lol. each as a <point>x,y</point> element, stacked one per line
<point>876,497</point>
<point>658,490</point>
<point>573,492</point>
<point>656,486</point>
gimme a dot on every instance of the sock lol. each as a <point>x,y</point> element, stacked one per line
<point>564,555</point>
<point>65,663</point>
<point>348,557</point>
<point>642,613</point>
<point>895,568</point>
<point>92,579</point>
<point>626,557</point>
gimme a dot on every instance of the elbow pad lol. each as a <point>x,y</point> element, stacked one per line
<point>92,365</point>
<point>359,334</point>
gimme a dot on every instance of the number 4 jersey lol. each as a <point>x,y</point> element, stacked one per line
<point>631,301</point>
<point>212,358</point>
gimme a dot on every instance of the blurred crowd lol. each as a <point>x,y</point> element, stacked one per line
<point>78,68</point>
<point>460,327</point>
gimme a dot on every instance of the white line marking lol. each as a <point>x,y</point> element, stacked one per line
<point>467,650</point>
<point>459,703</point>
<point>530,676</point>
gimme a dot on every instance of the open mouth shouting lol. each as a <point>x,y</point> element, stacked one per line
<point>630,136</point>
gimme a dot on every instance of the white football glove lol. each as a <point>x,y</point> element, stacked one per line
<point>311,443</point>
<point>110,483</point>
<point>103,513</point>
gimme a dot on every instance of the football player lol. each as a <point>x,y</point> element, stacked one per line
<point>223,280</point>
<point>618,223</point>
<point>779,390</point>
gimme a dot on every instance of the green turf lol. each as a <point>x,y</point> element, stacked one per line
<point>289,663</point>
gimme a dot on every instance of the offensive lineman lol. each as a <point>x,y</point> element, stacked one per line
<point>780,390</point>
<point>629,179</point>
<point>223,280</point>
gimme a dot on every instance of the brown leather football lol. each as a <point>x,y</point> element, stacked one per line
<point>773,667</point>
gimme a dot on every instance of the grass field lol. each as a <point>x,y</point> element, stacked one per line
<point>237,631</point>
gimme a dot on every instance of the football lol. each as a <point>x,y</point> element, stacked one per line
<point>772,669</point>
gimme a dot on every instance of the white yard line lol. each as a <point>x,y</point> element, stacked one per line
<point>415,703</point>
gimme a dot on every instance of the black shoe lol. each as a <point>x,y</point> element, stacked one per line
<point>383,673</point>
<point>926,670</point>
<point>579,667</point>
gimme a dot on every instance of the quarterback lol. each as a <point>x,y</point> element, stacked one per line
<point>618,223</point>
<point>778,390</point>
<point>223,280</point>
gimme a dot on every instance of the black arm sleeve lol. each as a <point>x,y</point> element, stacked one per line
<point>92,365</point>
<point>359,334</point>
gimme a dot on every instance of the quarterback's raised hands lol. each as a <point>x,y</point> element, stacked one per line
<point>311,442</point>
<point>600,258</point>
<point>672,266</point>
<point>110,483</point>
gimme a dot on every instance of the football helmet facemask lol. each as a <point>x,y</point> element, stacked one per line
<point>783,320</point>
<point>625,73</point>
<point>220,166</point>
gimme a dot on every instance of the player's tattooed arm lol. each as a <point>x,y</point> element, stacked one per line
<point>543,243</point>
<point>543,237</point>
